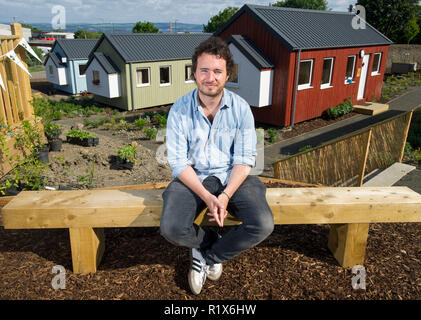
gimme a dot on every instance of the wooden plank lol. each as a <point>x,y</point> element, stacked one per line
<point>406,135</point>
<point>137,208</point>
<point>87,245</point>
<point>12,37</point>
<point>14,79</point>
<point>6,93</point>
<point>348,243</point>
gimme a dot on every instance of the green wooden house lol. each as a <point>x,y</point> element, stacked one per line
<point>135,71</point>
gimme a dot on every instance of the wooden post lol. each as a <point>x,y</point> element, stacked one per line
<point>87,246</point>
<point>6,93</point>
<point>348,242</point>
<point>364,158</point>
<point>405,136</point>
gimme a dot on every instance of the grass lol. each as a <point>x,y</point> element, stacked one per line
<point>394,86</point>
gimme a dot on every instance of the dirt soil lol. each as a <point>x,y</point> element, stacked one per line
<point>292,263</point>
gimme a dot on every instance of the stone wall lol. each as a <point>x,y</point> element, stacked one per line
<point>403,53</point>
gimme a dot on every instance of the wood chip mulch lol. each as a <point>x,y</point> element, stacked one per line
<point>292,263</point>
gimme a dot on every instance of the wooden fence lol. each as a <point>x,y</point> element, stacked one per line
<point>15,99</point>
<point>344,161</point>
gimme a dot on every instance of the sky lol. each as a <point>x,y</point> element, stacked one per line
<point>126,11</point>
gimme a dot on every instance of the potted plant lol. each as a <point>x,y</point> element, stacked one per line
<point>127,155</point>
<point>52,132</point>
<point>82,138</point>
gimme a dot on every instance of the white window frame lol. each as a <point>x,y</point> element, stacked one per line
<point>353,68</point>
<point>307,85</point>
<point>329,84</point>
<point>377,72</point>
<point>169,76</point>
<point>138,85</point>
<point>185,69</point>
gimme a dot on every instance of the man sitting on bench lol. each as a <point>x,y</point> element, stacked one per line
<point>211,147</point>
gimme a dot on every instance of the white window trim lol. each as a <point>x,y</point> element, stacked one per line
<point>353,69</point>
<point>329,84</point>
<point>165,84</point>
<point>139,85</point>
<point>307,85</point>
<point>377,72</point>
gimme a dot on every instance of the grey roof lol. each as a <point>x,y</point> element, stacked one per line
<point>76,48</point>
<point>106,63</point>
<point>251,51</point>
<point>311,29</point>
<point>56,60</point>
<point>139,47</point>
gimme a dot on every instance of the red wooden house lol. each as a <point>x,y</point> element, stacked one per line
<point>293,64</point>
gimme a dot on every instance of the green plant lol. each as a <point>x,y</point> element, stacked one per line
<point>140,123</point>
<point>417,154</point>
<point>30,174</point>
<point>88,179</point>
<point>273,134</point>
<point>74,133</point>
<point>338,111</point>
<point>51,129</point>
<point>127,153</point>
<point>150,133</point>
<point>305,148</point>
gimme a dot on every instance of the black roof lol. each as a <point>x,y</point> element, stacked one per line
<point>56,60</point>
<point>139,47</point>
<point>311,29</point>
<point>106,63</point>
<point>251,51</point>
<point>76,48</point>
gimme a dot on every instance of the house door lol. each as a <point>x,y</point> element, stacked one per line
<point>363,77</point>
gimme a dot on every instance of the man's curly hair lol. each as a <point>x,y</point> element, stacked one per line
<point>215,46</point>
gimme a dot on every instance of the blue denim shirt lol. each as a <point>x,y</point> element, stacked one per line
<point>210,148</point>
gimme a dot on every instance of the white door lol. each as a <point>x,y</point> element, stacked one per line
<point>363,77</point>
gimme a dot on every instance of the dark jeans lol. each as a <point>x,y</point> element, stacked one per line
<point>248,204</point>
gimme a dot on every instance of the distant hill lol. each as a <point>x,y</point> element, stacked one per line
<point>119,27</point>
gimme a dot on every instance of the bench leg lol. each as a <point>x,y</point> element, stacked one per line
<point>348,242</point>
<point>87,246</point>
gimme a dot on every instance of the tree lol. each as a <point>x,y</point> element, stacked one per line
<point>396,19</point>
<point>31,60</point>
<point>303,4</point>
<point>217,21</point>
<point>145,27</point>
<point>82,34</point>
<point>33,29</point>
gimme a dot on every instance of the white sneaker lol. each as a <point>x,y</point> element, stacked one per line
<point>215,271</point>
<point>198,272</point>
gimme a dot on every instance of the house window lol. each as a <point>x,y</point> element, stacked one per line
<point>95,74</point>
<point>188,73</point>
<point>82,69</point>
<point>51,69</point>
<point>142,77</point>
<point>327,73</point>
<point>350,66</point>
<point>164,76</point>
<point>305,74</point>
<point>234,76</point>
<point>376,64</point>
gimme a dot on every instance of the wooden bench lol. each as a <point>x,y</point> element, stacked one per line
<point>349,211</point>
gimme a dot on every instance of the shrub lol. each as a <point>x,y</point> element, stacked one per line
<point>127,153</point>
<point>338,111</point>
<point>140,123</point>
<point>150,133</point>
<point>273,134</point>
